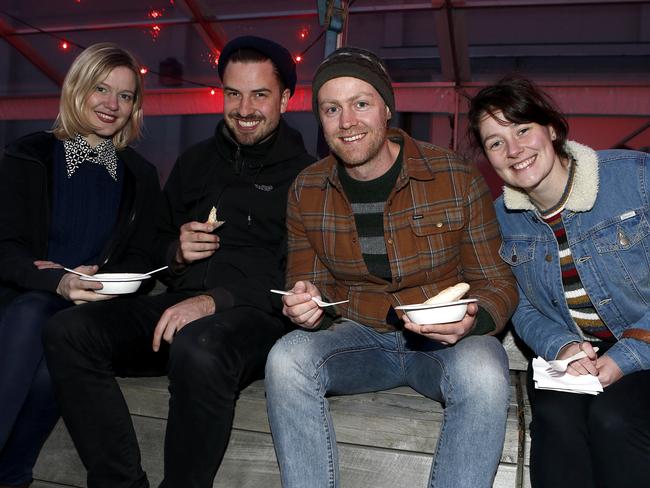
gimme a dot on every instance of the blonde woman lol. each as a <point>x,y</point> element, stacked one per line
<point>77,197</point>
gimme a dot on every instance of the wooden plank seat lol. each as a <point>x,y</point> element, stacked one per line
<point>386,439</point>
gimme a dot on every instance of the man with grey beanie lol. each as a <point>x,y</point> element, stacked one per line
<point>385,221</point>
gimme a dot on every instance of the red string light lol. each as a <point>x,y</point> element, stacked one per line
<point>298,58</point>
<point>155,14</point>
<point>154,32</point>
<point>212,91</point>
<point>64,45</point>
<point>144,70</point>
<point>303,33</point>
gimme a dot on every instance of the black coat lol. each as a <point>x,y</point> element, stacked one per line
<point>249,187</point>
<point>25,215</point>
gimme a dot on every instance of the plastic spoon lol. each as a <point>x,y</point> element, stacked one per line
<point>78,273</point>
<point>318,301</point>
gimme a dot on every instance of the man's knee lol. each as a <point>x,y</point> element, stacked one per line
<point>68,332</point>
<point>291,356</point>
<point>481,367</point>
<point>202,351</point>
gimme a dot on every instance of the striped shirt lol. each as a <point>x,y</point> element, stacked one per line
<point>581,308</point>
<point>368,199</point>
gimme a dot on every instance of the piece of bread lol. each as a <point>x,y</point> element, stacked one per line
<point>450,294</point>
<point>212,218</point>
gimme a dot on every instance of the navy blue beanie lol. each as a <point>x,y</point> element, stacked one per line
<point>278,55</point>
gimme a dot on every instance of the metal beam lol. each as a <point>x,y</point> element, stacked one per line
<point>452,43</point>
<point>8,33</point>
<point>213,39</point>
<point>464,4</point>
<point>600,99</point>
<point>287,14</point>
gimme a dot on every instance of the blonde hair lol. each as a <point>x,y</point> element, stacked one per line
<point>90,68</point>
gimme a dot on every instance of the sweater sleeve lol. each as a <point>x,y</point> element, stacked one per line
<point>490,278</point>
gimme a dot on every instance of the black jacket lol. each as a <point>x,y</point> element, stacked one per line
<point>248,185</point>
<point>25,214</point>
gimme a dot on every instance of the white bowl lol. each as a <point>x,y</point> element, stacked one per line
<point>440,313</point>
<point>117,283</point>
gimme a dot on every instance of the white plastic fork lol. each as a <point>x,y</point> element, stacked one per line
<point>318,301</point>
<point>561,365</point>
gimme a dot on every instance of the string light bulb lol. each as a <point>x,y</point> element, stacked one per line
<point>303,33</point>
<point>144,70</point>
<point>154,32</point>
<point>64,45</point>
<point>212,91</point>
<point>154,14</point>
<point>298,58</point>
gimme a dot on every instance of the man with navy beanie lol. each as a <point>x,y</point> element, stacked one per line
<point>211,331</point>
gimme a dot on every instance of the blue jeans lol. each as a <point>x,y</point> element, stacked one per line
<point>28,410</point>
<point>471,379</point>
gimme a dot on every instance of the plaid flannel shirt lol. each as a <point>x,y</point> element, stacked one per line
<point>439,225</point>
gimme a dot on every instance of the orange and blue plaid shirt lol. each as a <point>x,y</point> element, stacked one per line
<point>439,225</point>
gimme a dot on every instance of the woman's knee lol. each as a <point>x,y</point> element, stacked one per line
<point>612,426</point>
<point>28,312</point>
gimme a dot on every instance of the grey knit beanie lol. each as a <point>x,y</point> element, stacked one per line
<point>356,63</point>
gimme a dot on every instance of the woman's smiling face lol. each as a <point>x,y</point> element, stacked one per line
<point>523,154</point>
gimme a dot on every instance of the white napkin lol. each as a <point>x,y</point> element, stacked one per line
<point>563,381</point>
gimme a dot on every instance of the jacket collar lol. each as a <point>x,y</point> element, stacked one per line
<point>37,147</point>
<point>585,186</point>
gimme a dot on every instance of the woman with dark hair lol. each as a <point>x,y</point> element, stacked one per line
<point>576,233</point>
<point>77,197</point>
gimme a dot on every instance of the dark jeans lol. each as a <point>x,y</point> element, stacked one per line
<point>210,361</point>
<point>28,410</point>
<point>585,441</point>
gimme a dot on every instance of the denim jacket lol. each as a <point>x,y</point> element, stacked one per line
<point>607,225</point>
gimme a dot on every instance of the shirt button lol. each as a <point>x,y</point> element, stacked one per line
<point>398,279</point>
<point>389,241</point>
<point>554,302</point>
<point>549,258</point>
<point>439,224</point>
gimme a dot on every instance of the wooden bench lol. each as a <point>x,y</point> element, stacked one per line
<point>386,439</point>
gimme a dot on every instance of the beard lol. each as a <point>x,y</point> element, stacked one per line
<point>252,136</point>
<point>357,154</point>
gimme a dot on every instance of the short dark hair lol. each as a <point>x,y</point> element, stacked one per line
<point>521,102</point>
<point>249,55</point>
